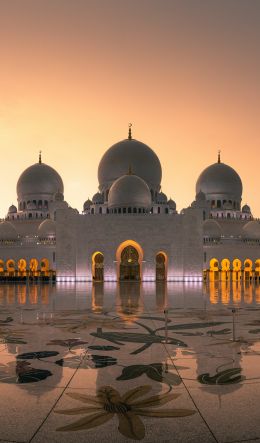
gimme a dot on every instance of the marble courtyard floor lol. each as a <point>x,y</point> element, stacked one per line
<point>106,363</point>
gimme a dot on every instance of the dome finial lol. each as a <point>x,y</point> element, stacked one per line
<point>219,152</point>
<point>130,131</point>
<point>40,157</point>
<point>130,172</point>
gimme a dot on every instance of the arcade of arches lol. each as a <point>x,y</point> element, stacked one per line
<point>129,261</point>
<point>234,270</point>
<point>22,269</point>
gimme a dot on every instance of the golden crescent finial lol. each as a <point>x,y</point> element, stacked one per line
<point>130,131</point>
<point>40,156</point>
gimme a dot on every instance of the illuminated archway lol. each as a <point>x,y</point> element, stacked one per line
<point>98,266</point>
<point>257,268</point>
<point>236,266</point>
<point>10,267</point>
<point>213,269</point>
<point>21,267</point>
<point>45,266</point>
<point>129,256</point>
<point>248,264</point>
<point>33,266</point>
<point>161,266</point>
<point>1,267</point>
<point>225,269</point>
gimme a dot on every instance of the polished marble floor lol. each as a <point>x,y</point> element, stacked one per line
<point>118,363</point>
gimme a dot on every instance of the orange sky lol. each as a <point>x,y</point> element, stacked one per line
<point>73,73</point>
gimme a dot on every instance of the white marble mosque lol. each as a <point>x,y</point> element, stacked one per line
<point>130,230</point>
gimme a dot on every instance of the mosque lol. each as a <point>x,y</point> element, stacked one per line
<point>130,230</point>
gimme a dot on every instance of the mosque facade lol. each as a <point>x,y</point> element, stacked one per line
<point>129,230</point>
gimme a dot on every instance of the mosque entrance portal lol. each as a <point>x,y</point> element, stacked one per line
<point>129,265</point>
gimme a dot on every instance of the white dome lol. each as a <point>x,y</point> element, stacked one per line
<point>37,180</point>
<point>211,229</point>
<point>7,231</point>
<point>129,153</point>
<point>98,198</point>
<point>87,204</point>
<point>12,209</point>
<point>246,209</point>
<point>251,230</point>
<point>47,228</point>
<point>220,179</point>
<point>129,191</point>
<point>172,204</point>
<point>162,198</point>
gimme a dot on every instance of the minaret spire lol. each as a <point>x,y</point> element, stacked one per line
<point>219,152</point>
<point>130,131</point>
<point>40,157</point>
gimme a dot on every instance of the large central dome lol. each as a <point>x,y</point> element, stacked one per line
<point>129,153</point>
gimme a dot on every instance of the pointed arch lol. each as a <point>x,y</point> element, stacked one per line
<point>161,260</point>
<point>129,258</point>
<point>98,266</point>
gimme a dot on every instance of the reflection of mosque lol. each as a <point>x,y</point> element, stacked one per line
<point>130,230</point>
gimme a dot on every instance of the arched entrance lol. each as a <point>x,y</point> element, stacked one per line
<point>33,267</point>
<point>45,266</point>
<point>213,269</point>
<point>21,267</point>
<point>98,266</point>
<point>225,269</point>
<point>248,269</point>
<point>236,274</point>
<point>161,259</point>
<point>129,264</point>
<point>257,269</point>
<point>10,268</point>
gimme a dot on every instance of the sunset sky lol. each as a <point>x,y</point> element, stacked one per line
<point>74,73</point>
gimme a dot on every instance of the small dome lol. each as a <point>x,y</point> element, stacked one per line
<point>161,198</point>
<point>246,209</point>
<point>87,204</point>
<point>47,228</point>
<point>220,179</point>
<point>172,204</point>
<point>129,153</point>
<point>37,180</point>
<point>129,191</point>
<point>12,209</point>
<point>212,229</point>
<point>251,230</point>
<point>7,231</point>
<point>58,197</point>
<point>98,199</point>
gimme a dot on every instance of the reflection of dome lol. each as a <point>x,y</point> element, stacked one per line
<point>220,178</point>
<point>87,204</point>
<point>212,229</point>
<point>39,179</point>
<point>12,209</point>
<point>161,198</point>
<point>7,231</point>
<point>129,153</point>
<point>98,199</point>
<point>129,191</point>
<point>251,230</point>
<point>47,229</point>
<point>246,209</point>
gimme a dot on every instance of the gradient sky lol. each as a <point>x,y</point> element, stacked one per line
<point>73,73</point>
